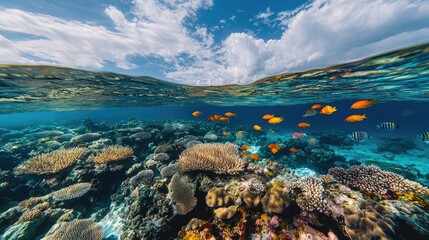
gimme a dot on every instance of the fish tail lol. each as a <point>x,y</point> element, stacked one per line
<point>374,101</point>
<point>364,116</point>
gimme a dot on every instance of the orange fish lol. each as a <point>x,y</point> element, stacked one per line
<point>225,133</point>
<point>332,77</point>
<point>245,147</point>
<point>355,118</point>
<point>275,120</point>
<point>328,110</point>
<point>230,114</point>
<point>294,150</point>
<point>257,127</point>
<point>267,116</point>
<point>223,119</point>
<point>243,153</point>
<point>303,125</point>
<point>317,106</point>
<point>271,162</point>
<point>254,156</point>
<point>363,104</point>
<point>196,113</point>
<point>214,117</point>
<point>273,145</point>
<point>274,150</point>
<point>271,130</point>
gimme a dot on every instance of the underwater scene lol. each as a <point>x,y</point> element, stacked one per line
<point>333,153</point>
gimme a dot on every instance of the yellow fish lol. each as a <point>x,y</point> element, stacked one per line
<point>328,110</point>
<point>196,113</point>
<point>275,120</point>
<point>257,127</point>
<point>230,114</point>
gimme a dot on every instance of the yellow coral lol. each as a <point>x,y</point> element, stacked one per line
<point>51,162</point>
<point>112,154</point>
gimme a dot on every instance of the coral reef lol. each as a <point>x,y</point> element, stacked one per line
<point>181,193</point>
<point>374,180</point>
<point>217,157</point>
<point>51,162</point>
<point>74,191</point>
<point>275,200</point>
<point>226,213</point>
<point>112,154</point>
<point>84,229</point>
<point>309,194</point>
<point>217,197</point>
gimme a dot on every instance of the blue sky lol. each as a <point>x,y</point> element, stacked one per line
<point>206,42</point>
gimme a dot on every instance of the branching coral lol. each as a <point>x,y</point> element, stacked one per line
<point>217,157</point>
<point>309,194</point>
<point>374,180</point>
<point>112,154</point>
<point>182,194</point>
<point>84,229</point>
<point>51,162</point>
<point>74,191</point>
<point>34,213</point>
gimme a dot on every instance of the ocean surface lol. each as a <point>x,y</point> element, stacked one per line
<point>120,157</point>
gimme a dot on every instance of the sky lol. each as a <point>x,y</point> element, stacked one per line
<point>206,42</point>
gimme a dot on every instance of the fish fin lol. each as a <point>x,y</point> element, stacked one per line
<point>374,101</point>
<point>364,116</point>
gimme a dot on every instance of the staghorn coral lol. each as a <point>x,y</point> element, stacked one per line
<point>217,157</point>
<point>74,191</point>
<point>31,202</point>
<point>326,179</point>
<point>309,194</point>
<point>226,213</point>
<point>275,200</point>
<point>182,194</point>
<point>112,154</point>
<point>52,162</point>
<point>374,180</point>
<point>217,197</point>
<point>84,229</point>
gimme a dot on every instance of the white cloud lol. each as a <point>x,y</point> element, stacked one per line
<point>321,33</point>
<point>324,33</point>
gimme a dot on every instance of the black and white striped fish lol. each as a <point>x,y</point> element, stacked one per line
<point>310,112</point>
<point>359,136</point>
<point>388,126</point>
<point>424,136</point>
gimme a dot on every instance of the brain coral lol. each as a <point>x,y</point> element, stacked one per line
<point>74,191</point>
<point>112,154</point>
<point>182,194</point>
<point>51,162</point>
<point>275,200</point>
<point>84,229</point>
<point>217,157</point>
<point>226,213</point>
<point>373,179</point>
<point>217,197</point>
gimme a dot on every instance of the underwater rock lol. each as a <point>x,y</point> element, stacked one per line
<point>86,137</point>
<point>192,143</point>
<point>143,177</point>
<point>44,134</point>
<point>140,136</point>
<point>396,145</point>
<point>165,148</point>
<point>89,125</point>
<point>169,170</point>
<point>25,230</point>
<point>161,157</point>
<point>336,139</point>
<point>11,135</point>
<point>210,136</point>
